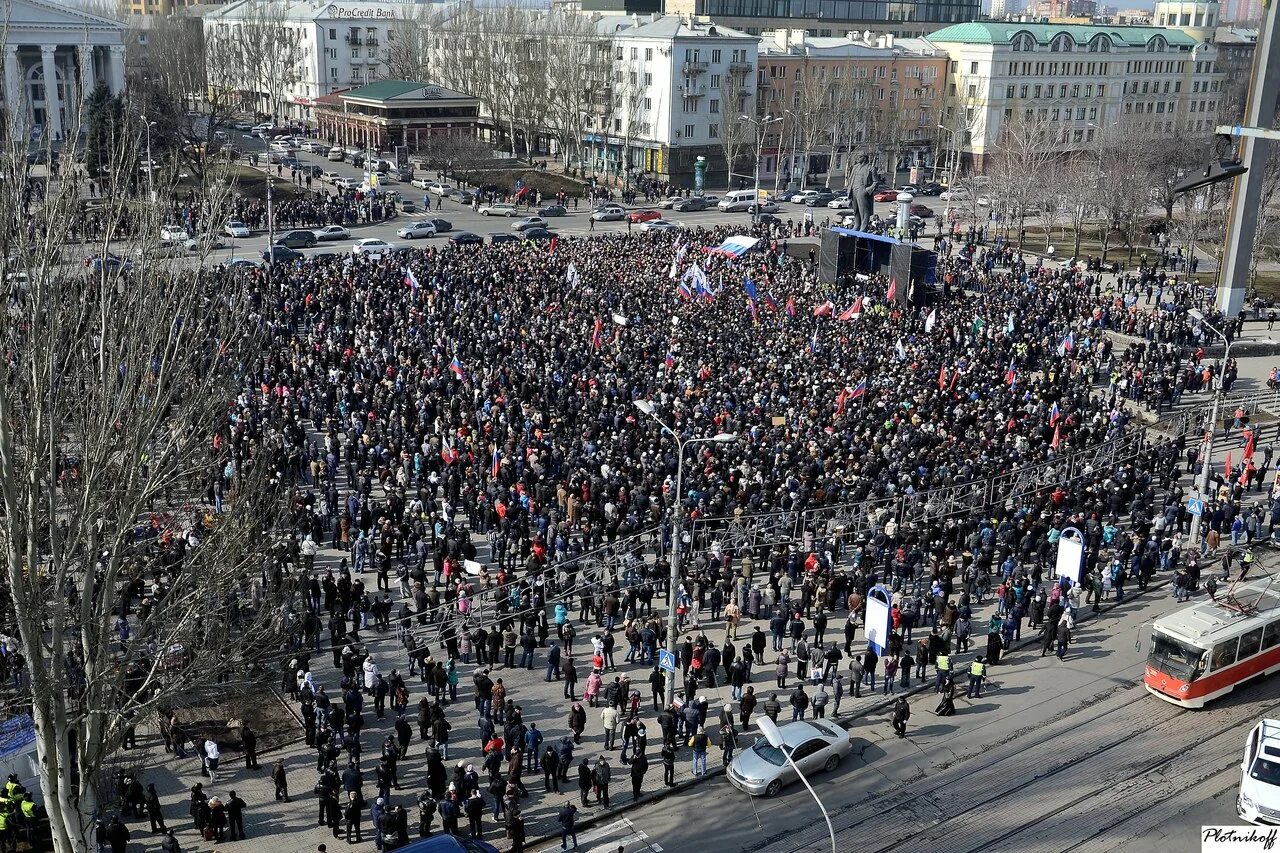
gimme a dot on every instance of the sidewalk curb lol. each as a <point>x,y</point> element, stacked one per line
<point>844,722</point>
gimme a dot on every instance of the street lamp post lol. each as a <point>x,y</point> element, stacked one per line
<point>759,126</point>
<point>951,179</point>
<point>674,581</point>
<point>771,733</point>
<point>1207,450</point>
<point>151,166</point>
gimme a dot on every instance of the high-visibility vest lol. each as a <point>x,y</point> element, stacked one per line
<point>977,669</point>
<point>4,822</point>
<point>944,663</point>
<point>28,808</point>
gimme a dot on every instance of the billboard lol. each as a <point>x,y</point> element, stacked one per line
<point>878,622</point>
<point>1070,555</point>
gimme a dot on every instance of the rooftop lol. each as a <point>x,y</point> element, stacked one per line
<point>1003,32</point>
<point>402,90</point>
<point>1207,617</point>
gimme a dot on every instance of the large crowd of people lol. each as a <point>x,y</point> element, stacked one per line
<point>457,430</point>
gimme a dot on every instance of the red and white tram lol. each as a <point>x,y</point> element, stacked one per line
<point>1207,649</point>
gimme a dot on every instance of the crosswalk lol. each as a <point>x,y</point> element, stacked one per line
<point>621,835</point>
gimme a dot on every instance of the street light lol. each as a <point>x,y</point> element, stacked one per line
<point>771,733</point>
<point>1203,484</point>
<point>955,166</point>
<point>721,438</point>
<point>760,126</point>
<point>151,166</point>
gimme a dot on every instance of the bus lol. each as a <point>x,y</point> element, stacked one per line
<point>1206,650</point>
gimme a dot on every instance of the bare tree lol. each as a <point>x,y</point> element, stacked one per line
<point>737,137</point>
<point>577,73</point>
<point>113,412</point>
<point>1020,167</point>
<point>811,118</point>
<point>407,55</point>
<point>270,51</point>
<point>1125,152</point>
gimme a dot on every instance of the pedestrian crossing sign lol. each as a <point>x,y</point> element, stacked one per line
<point>666,660</point>
<point>1195,506</point>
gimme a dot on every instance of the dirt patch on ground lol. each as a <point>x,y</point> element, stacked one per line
<point>221,717</point>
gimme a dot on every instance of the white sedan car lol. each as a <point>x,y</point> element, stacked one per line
<point>174,234</point>
<point>527,222</point>
<point>203,241</point>
<point>659,225</point>
<point>332,232</point>
<point>372,247</point>
<point>235,228</point>
<point>499,209</point>
<point>421,183</point>
<point>417,229</point>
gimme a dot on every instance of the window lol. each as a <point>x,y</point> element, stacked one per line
<point>713,131</point>
<point>333,34</point>
<point>1250,643</point>
<point>648,79</point>
<point>1057,114</point>
<point>1075,90</point>
<point>973,68</point>
<point>1023,90</point>
<point>648,103</point>
<point>1024,42</point>
<point>617,125</point>
<point>714,106</point>
<point>1008,91</point>
<point>648,54</point>
<point>808,748</point>
<point>355,53</point>
<point>333,74</point>
<point>1080,114</point>
<point>715,56</point>
<point>1093,113</point>
<point>1224,654</point>
<point>973,92</point>
<point>688,131</point>
<point>618,55</point>
<point>715,81</point>
<point>1271,635</point>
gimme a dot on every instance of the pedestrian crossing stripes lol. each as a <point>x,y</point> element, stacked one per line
<point>620,834</point>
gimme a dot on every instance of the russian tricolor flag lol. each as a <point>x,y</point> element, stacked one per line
<point>410,279</point>
<point>1055,414</point>
<point>456,367</point>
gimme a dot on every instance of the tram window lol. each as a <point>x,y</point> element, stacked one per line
<point>1271,636</point>
<point>1224,654</point>
<point>1250,643</point>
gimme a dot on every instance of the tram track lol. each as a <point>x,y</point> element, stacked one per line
<point>1103,766</point>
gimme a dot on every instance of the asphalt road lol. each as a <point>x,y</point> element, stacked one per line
<point>1055,756</point>
<point>463,218</point>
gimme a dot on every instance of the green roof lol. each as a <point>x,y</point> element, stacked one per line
<point>1002,32</point>
<point>385,90</point>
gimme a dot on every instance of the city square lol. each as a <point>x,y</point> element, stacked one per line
<point>478,427</point>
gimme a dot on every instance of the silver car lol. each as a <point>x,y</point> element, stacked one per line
<point>814,745</point>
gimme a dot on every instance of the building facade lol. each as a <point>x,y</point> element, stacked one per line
<point>880,98</point>
<point>341,46</point>
<point>678,81</point>
<point>1078,79</point>
<point>836,18</point>
<point>54,56</point>
<point>391,113</point>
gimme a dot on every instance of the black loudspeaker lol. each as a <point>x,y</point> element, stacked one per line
<point>915,270</point>
<point>837,257</point>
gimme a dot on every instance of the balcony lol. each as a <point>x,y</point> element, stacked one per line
<point>355,41</point>
<point>371,41</point>
<point>691,68</point>
<point>740,66</point>
<point>693,90</point>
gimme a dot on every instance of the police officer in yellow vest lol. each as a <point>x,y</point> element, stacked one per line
<point>1246,563</point>
<point>977,672</point>
<point>944,669</point>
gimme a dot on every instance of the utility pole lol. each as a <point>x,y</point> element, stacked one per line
<point>1242,217</point>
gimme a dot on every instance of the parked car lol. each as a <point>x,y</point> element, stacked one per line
<point>440,187</point>
<point>931,188</point>
<point>885,195</point>
<point>461,196</point>
<point>330,177</point>
<point>499,237</point>
<point>107,263</point>
<point>668,202</point>
<point>692,204</point>
<point>202,241</point>
<point>527,222</point>
<point>802,197</point>
<point>173,234</point>
<point>442,225</point>
<point>281,254</point>
<point>372,247</point>
<point>346,183</point>
<point>332,232</point>
<point>768,219</point>
<point>552,210</point>
<point>537,233</point>
<point>336,154</point>
<point>235,228</point>
<point>311,170</point>
<point>659,225</point>
<point>609,213</point>
<point>820,198</point>
<point>956,194</point>
<point>414,230</point>
<point>243,263</point>
<point>466,238</point>
<point>298,239</point>
<point>909,188</point>
<point>839,201</point>
<point>814,745</point>
<point>421,183</point>
<point>499,209</point>
<point>921,210</point>
<point>763,207</point>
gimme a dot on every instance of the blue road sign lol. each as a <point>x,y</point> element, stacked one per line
<point>666,660</point>
<point>1195,506</point>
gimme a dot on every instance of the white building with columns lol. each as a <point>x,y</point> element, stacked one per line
<point>46,40</point>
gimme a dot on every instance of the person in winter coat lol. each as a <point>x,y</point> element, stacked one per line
<point>901,713</point>
<point>639,766</point>
<point>564,750</point>
<point>584,782</point>
<point>772,707</point>
<point>746,706</point>
<point>577,721</point>
<point>551,770</point>
<point>601,777</point>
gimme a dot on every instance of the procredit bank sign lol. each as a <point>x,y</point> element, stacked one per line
<point>362,13</point>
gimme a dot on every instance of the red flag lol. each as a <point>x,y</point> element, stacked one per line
<point>893,290</point>
<point>1057,436</point>
<point>1228,468</point>
<point>840,399</point>
<point>1244,474</point>
<point>852,311</point>
<point>595,335</point>
<point>825,309</point>
<point>942,378</point>
<point>955,377</point>
<point>1249,442</point>
<point>553,244</point>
